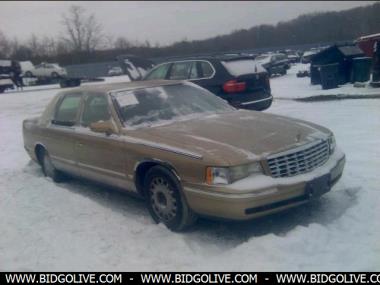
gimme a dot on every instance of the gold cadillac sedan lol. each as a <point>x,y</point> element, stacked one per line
<point>187,152</point>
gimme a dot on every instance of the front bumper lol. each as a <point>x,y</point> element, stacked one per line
<point>261,195</point>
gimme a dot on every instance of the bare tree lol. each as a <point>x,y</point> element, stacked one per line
<point>83,32</point>
<point>34,45</point>
<point>5,46</point>
<point>122,43</point>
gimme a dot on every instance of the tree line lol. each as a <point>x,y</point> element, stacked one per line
<point>84,39</point>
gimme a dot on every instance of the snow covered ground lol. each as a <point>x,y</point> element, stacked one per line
<point>290,86</point>
<point>80,226</point>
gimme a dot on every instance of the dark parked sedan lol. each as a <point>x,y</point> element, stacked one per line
<point>236,79</point>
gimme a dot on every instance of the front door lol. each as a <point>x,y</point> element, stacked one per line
<point>101,157</point>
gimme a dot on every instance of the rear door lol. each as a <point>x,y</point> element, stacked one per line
<point>60,132</point>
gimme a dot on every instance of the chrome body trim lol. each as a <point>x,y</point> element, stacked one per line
<point>162,147</point>
<point>64,160</point>
<point>257,101</point>
<point>100,169</point>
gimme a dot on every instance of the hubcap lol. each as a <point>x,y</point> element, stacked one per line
<point>162,199</point>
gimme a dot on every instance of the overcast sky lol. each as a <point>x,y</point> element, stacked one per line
<point>162,22</point>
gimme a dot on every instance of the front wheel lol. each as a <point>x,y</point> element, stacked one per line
<point>49,170</point>
<point>165,200</point>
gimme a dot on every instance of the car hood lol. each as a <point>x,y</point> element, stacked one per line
<point>235,137</point>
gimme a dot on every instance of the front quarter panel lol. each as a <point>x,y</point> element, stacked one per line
<point>187,167</point>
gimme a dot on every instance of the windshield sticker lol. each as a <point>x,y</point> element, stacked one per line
<point>126,99</point>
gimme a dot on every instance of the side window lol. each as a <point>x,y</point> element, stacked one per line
<point>158,73</point>
<point>206,68</point>
<point>95,110</point>
<point>194,74</point>
<point>67,110</point>
<point>180,70</point>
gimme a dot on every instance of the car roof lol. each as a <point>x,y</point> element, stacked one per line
<point>217,57</point>
<point>108,87</point>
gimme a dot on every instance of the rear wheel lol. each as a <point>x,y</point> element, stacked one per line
<point>28,74</point>
<point>165,200</point>
<point>48,168</point>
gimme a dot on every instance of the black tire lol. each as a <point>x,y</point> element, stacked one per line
<point>54,75</point>
<point>165,200</point>
<point>48,168</point>
<point>28,74</point>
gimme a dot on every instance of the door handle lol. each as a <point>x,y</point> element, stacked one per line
<point>79,144</point>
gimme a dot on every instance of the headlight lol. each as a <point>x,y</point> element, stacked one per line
<point>217,175</point>
<point>228,175</point>
<point>332,143</point>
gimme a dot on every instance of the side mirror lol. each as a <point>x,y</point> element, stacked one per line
<point>106,127</point>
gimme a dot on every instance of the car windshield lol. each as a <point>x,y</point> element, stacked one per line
<point>164,104</point>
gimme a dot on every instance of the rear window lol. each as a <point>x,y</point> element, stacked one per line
<point>180,70</point>
<point>207,70</point>
<point>67,110</point>
<point>241,67</point>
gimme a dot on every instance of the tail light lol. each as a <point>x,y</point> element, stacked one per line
<point>233,86</point>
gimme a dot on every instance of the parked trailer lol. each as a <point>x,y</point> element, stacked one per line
<point>62,81</point>
<point>69,82</point>
<point>367,43</point>
<point>5,75</point>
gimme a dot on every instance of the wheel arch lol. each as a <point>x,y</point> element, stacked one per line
<point>142,167</point>
<point>39,149</point>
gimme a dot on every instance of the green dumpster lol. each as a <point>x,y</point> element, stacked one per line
<point>361,69</point>
<point>329,75</point>
<point>315,77</point>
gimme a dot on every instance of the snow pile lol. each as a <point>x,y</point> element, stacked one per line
<point>80,226</point>
<point>290,86</point>
<point>243,67</point>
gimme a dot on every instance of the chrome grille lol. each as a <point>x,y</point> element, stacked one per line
<point>299,160</point>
